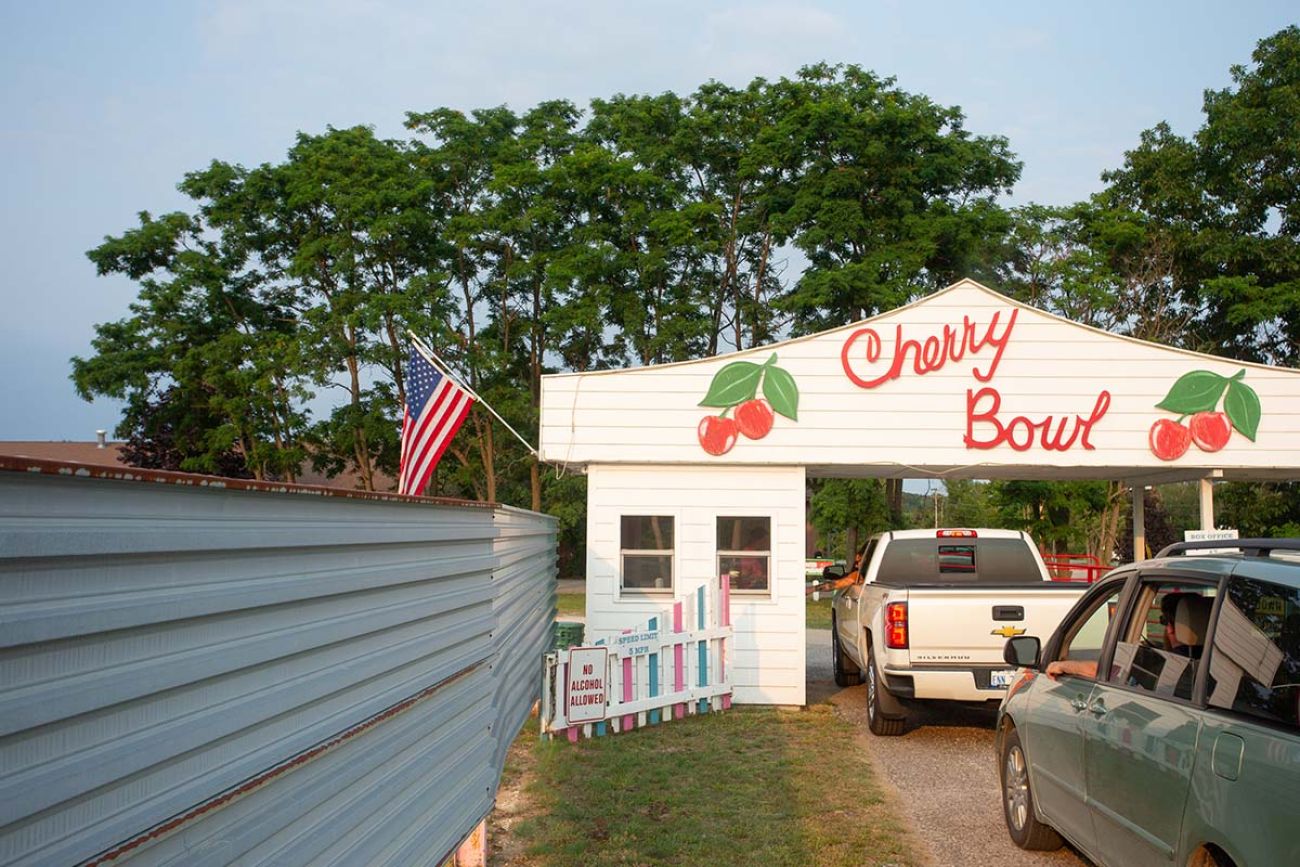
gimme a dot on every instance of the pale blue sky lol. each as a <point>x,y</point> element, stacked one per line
<point>103,106</point>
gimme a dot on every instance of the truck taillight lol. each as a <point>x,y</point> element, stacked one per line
<point>956,534</point>
<point>896,625</point>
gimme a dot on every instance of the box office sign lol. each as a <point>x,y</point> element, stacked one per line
<point>588,678</point>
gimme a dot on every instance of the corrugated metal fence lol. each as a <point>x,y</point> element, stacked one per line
<point>201,674</point>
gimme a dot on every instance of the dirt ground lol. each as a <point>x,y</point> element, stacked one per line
<point>943,770</point>
<point>512,805</point>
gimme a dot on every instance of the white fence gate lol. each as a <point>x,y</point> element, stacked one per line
<point>650,674</point>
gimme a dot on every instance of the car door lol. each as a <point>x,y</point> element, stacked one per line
<point>1141,723</point>
<point>1247,773</point>
<point>1053,725</point>
<point>851,597</point>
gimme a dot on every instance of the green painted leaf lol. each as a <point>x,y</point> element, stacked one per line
<point>780,390</point>
<point>1242,407</point>
<point>1198,391</point>
<point>734,384</point>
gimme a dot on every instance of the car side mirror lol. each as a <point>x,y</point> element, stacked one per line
<point>830,573</point>
<point>1022,651</point>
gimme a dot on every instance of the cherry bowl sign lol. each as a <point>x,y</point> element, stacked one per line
<point>963,383</point>
<point>985,427</point>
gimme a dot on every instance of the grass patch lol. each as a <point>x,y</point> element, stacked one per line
<point>749,786</point>
<point>819,613</point>
<point>570,604</point>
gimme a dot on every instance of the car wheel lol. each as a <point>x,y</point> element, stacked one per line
<point>876,719</point>
<point>1027,831</point>
<point>846,673</point>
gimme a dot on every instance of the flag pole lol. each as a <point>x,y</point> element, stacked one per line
<point>437,362</point>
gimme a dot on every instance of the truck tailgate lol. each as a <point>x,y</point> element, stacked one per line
<point>971,625</point>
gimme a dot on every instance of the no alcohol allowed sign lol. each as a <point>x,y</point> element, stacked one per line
<point>588,677</point>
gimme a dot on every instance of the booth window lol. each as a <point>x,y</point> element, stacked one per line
<point>745,553</point>
<point>646,546</point>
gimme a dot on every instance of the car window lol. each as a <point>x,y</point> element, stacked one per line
<point>1086,635</point>
<point>864,557</point>
<point>1255,664</point>
<point>1162,643</point>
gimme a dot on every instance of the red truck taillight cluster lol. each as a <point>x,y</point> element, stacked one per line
<point>896,625</point>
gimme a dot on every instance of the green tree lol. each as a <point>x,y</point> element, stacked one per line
<point>890,198</point>
<point>968,504</point>
<point>1063,517</point>
<point>197,360</point>
<point>461,162</point>
<point>336,229</point>
<point>1100,265</point>
<point>855,508</point>
<point>732,164</point>
<point>1267,509</point>
<point>1228,198</point>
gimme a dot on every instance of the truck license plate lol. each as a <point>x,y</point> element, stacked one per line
<point>1000,679</point>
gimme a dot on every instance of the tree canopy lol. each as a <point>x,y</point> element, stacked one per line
<point>652,228</point>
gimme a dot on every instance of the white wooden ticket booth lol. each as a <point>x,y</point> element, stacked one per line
<point>699,468</point>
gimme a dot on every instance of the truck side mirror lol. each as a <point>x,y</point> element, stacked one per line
<point>1022,651</point>
<point>831,573</point>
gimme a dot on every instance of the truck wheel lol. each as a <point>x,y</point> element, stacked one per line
<point>1027,831</point>
<point>846,673</point>
<point>876,719</point>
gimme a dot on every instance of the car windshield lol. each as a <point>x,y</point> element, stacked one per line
<point>959,561</point>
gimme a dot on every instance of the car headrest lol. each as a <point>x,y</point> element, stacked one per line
<point>1191,619</point>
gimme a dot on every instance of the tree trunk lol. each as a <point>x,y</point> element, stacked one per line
<point>489,461</point>
<point>361,448</point>
<point>535,351</point>
<point>535,473</point>
<point>399,378</point>
<point>894,498</point>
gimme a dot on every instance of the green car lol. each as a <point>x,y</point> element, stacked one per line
<point>1160,724</point>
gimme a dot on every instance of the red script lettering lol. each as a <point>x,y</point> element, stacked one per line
<point>932,353</point>
<point>1020,432</point>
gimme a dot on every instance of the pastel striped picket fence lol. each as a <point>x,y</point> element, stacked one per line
<point>672,666</point>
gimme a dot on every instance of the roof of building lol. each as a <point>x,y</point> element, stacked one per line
<point>93,454</point>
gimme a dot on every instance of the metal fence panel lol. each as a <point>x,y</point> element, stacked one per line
<point>523,609</point>
<point>198,674</point>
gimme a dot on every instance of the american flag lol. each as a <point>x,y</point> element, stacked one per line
<point>435,408</point>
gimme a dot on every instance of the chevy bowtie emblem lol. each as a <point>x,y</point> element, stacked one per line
<point>1008,632</point>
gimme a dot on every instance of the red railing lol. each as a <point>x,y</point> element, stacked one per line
<point>1074,567</point>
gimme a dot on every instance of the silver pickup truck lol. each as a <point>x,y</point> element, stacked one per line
<point>931,611</point>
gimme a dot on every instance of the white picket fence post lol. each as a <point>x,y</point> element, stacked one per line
<point>674,665</point>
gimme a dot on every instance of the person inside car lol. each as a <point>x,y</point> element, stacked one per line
<point>830,586</point>
<point>1183,617</point>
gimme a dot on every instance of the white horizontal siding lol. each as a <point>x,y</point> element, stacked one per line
<point>767,662</point>
<point>1050,367</point>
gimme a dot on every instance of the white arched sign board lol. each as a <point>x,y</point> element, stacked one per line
<point>964,383</point>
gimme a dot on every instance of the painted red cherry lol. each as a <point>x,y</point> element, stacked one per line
<point>755,418</point>
<point>1169,439</point>
<point>1210,430</point>
<point>717,434</point>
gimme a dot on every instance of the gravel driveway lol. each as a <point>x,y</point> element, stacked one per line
<point>943,770</point>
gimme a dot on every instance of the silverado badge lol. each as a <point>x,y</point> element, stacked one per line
<point>1008,631</point>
